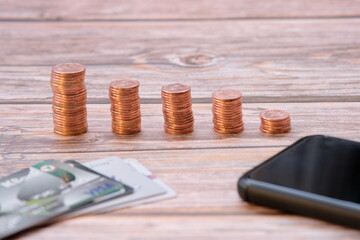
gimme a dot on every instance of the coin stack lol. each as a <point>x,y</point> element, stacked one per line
<point>227,111</point>
<point>69,99</point>
<point>125,106</point>
<point>177,108</point>
<point>275,121</point>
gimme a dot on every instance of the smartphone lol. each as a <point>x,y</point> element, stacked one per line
<point>317,176</point>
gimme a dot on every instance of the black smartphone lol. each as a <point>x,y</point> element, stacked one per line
<point>317,176</point>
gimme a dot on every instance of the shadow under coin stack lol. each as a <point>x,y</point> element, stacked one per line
<point>177,108</point>
<point>275,121</point>
<point>227,111</point>
<point>125,106</point>
<point>69,99</point>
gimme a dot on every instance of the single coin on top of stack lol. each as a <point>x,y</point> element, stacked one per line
<point>227,111</point>
<point>177,108</point>
<point>125,106</point>
<point>69,99</point>
<point>275,121</point>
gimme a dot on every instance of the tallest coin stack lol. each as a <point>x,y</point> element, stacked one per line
<point>69,99</point>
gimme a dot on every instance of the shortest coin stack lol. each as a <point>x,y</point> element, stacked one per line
<point>275,121</point>
<point>69,99</point>
<point>227,111</point>
<point>125,106</point>
<point>177,108</point>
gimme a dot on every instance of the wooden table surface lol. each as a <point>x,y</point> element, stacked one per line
<point>300,56</point>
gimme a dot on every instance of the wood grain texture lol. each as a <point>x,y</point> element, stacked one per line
<point>198,44</point>
<point>175,10</point>
<point>294,80</point>
<point>300,56</point>
<point>19,134</point>
<point>207,206</point>
<point>192,227</point>
<point>182,170</point>
<point>297,60</point>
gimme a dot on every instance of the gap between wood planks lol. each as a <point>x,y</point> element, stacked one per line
<point>183,19</point>
<point>154,150</point>
<point>299,99</point>
<point>171,213</point>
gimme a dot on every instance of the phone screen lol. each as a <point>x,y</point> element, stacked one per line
<point>321,165</point>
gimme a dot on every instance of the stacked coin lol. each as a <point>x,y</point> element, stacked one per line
<point>275,121</point>
<point>227,111</point>
<point>177,108</point>
<point>125,106</point>
<point>69,99</point>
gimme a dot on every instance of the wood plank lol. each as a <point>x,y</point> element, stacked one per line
<point>186,9</point>
<point>27,128</point>
<point>294,80</point>
<point>308,60</point>
<point>115,43</point>
<point>206,205</point>
<point>194,174</point>
<point>193,227</point>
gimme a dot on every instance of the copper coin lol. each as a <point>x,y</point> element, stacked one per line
<point>226,95</point>
<point>69,68</point>
<point>124,84</point>
<point>176,88</point>
<point>178,131</point>
<point>275,121</point>
<point>70,133</point>
<point>274,114</point>
<point>228,131</point>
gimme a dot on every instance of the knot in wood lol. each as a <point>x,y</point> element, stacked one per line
<point>196,60</point>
